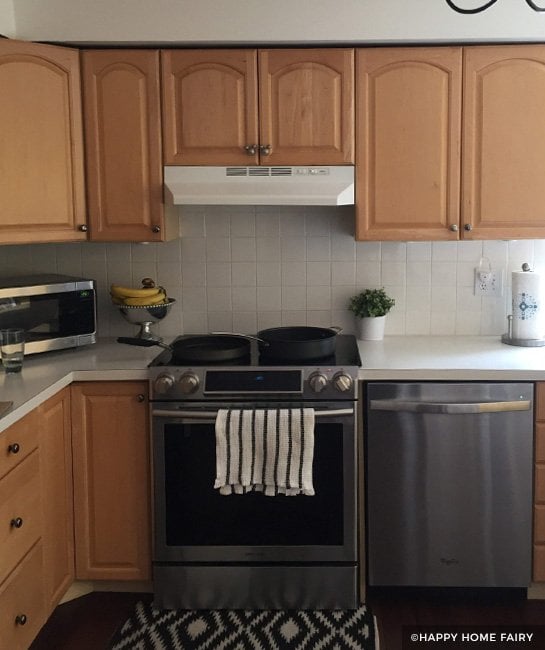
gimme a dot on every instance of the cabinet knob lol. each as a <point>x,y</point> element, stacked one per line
<point>251,149</point>
<point>16,523</point>
<point>454,227</point>
<point>156,229</point>
<point>265,149</point>
<point>14,448</point>
<point>21,619</point>
<point>83,228</point>
<point>468,227</point>
<point>140,398</point>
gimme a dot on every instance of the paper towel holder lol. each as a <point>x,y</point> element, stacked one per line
<point>508,337</point>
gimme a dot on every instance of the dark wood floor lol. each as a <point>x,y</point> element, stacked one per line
<point>89,622</point>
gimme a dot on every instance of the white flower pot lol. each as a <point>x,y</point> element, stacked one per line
<point>371,328</point>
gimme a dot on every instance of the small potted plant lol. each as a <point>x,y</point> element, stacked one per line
<point>370,307</point>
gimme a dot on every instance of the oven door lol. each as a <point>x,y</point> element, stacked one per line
<point>194,523</point>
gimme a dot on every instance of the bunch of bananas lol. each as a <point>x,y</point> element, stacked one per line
<point>146,296</point>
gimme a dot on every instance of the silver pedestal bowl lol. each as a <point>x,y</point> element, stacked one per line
<point>145,316</point>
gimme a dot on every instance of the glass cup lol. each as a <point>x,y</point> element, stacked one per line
<point>12,349</point>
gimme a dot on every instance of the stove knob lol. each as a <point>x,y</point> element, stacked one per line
<point>188,383</point>
<point>317,382</point>
<point>342,382</point>
<point>163,383</point>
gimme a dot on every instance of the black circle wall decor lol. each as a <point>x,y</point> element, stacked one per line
<point>455,5</point>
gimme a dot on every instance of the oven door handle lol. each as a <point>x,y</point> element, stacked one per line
<point>211,415</point>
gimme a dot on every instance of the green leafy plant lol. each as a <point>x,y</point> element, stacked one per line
<point>371,302</point>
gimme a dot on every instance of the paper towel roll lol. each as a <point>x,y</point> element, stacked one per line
<point>528,305</point>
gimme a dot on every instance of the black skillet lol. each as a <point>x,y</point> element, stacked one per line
<point>209,348</point>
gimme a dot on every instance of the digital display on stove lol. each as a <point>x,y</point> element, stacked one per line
<point>253,381</point>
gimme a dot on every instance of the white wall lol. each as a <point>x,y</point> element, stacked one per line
<point>274,21</point>
<point>7,18</point>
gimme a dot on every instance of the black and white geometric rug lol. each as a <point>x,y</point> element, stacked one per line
<point>224,629</point>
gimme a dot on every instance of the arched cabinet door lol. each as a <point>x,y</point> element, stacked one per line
<point>121,91</point>
<point>210,107</point>
<point>503,194</point>
<point>41,153</point>
<point>306,106</point>
<point>408,112</point>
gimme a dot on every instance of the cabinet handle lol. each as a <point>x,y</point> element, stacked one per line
<point>468,227</point>
<point>265,149</point>
<point>140,398</point>
<point>156,229</point>
<point>454,227</point>
<point>21,619</point>
<point>14,448</point>
<point>251,149</point>
<point>83,228</point>
<point>16,523</point>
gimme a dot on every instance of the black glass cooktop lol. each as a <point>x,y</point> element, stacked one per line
<point>346,354</point>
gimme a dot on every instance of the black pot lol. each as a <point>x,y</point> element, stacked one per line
<point>300,343</point>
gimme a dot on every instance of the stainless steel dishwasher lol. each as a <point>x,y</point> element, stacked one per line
<point>449,484</point>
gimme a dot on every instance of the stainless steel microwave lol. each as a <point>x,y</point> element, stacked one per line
<point>56,311</point>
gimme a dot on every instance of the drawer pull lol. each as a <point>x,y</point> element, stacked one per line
<point>14,448</point>
<point>21,619</point>
<point>16,523</point>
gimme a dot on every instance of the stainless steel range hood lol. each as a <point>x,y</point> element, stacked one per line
<point>259,185</point>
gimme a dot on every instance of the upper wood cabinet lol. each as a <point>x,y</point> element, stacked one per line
<point>408,143</point>
<point>249,107</point>
<point>121,90</point>
<point>41,144</point>
<point>110,441</point>
<point>503,193</point>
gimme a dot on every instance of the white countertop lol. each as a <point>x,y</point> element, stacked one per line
<point>395,358</point>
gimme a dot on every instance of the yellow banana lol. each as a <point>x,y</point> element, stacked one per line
<point>146,301</point>
<point>130,292</point>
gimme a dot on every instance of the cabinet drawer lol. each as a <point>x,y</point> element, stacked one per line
<point>540,442</point>
<point>540,400</point>
<point>539,563</point>
<point>22,594</point>
<point>539,525</point>
<point>19,500</point>
<point>539,496</point>
<point>17,442</point>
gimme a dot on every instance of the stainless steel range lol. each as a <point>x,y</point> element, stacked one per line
<point>251,550</point>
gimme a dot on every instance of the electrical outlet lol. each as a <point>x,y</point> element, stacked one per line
<point>488,282</point>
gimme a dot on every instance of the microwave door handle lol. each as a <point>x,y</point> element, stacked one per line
<point>449,408</point>
<point>211,415</point>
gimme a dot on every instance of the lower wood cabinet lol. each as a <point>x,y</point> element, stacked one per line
<point>110,441</point>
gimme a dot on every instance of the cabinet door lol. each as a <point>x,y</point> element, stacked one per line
<point>408,111</point>
<point>41,152</point>
<point>504,142</point>
<point>123,144</point>
<point>58,505</point>
<point>306,106</point>
<point>110,438</point>
<point>209,106</point>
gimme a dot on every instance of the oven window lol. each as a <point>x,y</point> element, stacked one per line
<point>197,515</point>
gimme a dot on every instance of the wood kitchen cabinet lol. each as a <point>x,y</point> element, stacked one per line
<point>57,494</point>
<point>503,193</point>
<point>251,107</point>
<point>110,440</point>
<point>408,116</point>
<point>122,120</point>
<point>539,487</point>
<point>41,152</point>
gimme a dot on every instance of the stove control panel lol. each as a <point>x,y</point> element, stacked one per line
<point>323,383</point>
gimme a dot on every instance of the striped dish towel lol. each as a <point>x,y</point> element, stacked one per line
<point>267,450</point>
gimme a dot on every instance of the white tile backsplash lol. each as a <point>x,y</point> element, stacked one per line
<point>247,268</point>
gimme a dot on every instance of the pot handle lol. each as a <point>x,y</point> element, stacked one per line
<point>336,329</point>
<point>246,336</point>
<point>144,343</point>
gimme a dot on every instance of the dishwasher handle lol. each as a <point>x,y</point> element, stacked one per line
<point>449,408</point>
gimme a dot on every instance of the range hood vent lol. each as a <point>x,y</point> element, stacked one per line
<point>259,185</point>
